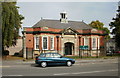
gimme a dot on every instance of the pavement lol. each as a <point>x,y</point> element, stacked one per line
<point>78,61</point>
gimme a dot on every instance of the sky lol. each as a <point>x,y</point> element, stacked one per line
<point>76,11</point>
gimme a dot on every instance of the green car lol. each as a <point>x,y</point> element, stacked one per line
<point>46,59</point>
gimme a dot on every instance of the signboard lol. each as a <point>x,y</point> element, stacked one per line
<point>84,47</point>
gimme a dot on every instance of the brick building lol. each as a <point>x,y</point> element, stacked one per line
<point>62,36</point>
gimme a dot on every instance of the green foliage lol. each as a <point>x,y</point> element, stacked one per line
<point>115,25</point>
<point>100,26</point>
<point>11,22</point>
<point>96,24</point>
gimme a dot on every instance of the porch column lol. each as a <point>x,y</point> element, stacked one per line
<point>75,45</point>
<point>62,47</point>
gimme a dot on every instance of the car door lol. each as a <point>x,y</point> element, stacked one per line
<point>58,59</point>
<point>49,58</point>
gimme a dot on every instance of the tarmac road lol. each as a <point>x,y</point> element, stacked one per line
<point>100,67</point>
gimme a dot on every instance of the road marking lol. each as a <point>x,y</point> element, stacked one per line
<point>86,72</point>
<point>12,75</point>
<point>4,66</point>
<point>93,72</point>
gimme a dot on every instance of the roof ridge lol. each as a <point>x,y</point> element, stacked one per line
<point>54,23</point>
<point>59,20</point>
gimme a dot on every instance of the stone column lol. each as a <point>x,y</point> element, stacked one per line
<point>62,44</point>
<point>76,45</point>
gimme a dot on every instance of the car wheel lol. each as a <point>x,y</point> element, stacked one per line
<point>69,63</point>
<point>43,64</point>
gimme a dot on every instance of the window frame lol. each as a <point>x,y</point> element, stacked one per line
<point>43,43</point>
<point>52,45</point>
<point>35,42</point>
<point>85,42</point>
<point>94,47</point>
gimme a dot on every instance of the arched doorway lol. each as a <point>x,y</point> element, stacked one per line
<point>69,48</point>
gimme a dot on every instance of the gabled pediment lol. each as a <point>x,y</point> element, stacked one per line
<point>69,31</point>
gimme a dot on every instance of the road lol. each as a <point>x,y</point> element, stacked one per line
<point>80,68</point>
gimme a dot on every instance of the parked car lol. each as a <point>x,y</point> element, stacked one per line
<point>117,52</point>
<point>46,59</point>
<point>109,52</point>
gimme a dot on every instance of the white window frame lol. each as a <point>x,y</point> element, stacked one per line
<point>47,43</point>
<point>98,43</point>
<point>35,43</point>
<point>85,42</point>
<point>94,48</point>
<point>52,48</point>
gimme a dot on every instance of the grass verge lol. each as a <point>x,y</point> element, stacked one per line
<point>91,57</point>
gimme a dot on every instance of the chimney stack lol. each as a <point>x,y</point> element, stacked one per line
<point>63,18</point>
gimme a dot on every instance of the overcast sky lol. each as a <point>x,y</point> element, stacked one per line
<point>77,11</point>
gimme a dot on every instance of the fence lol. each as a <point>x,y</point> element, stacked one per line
<point>81,52</point>
<point>89,53</point>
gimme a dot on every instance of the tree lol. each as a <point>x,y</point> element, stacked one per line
<point>100,26</point>
<point>115,26</point>
<point>11,22</point>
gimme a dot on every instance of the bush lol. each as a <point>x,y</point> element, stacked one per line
<point>5,52</point>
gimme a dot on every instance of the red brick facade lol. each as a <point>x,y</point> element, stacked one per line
<point>58,46</point>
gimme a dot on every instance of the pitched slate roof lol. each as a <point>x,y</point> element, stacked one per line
<point>58,25</point>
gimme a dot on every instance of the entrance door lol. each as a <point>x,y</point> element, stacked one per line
<point>69,48</point>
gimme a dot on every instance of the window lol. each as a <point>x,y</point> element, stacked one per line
<point>36,42</point>
<point>86,41</point>
<point>56,55</point>
<point>94,43</point>
<point>52,43</point>
<point>44,43</point>
<point>49,55</point>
